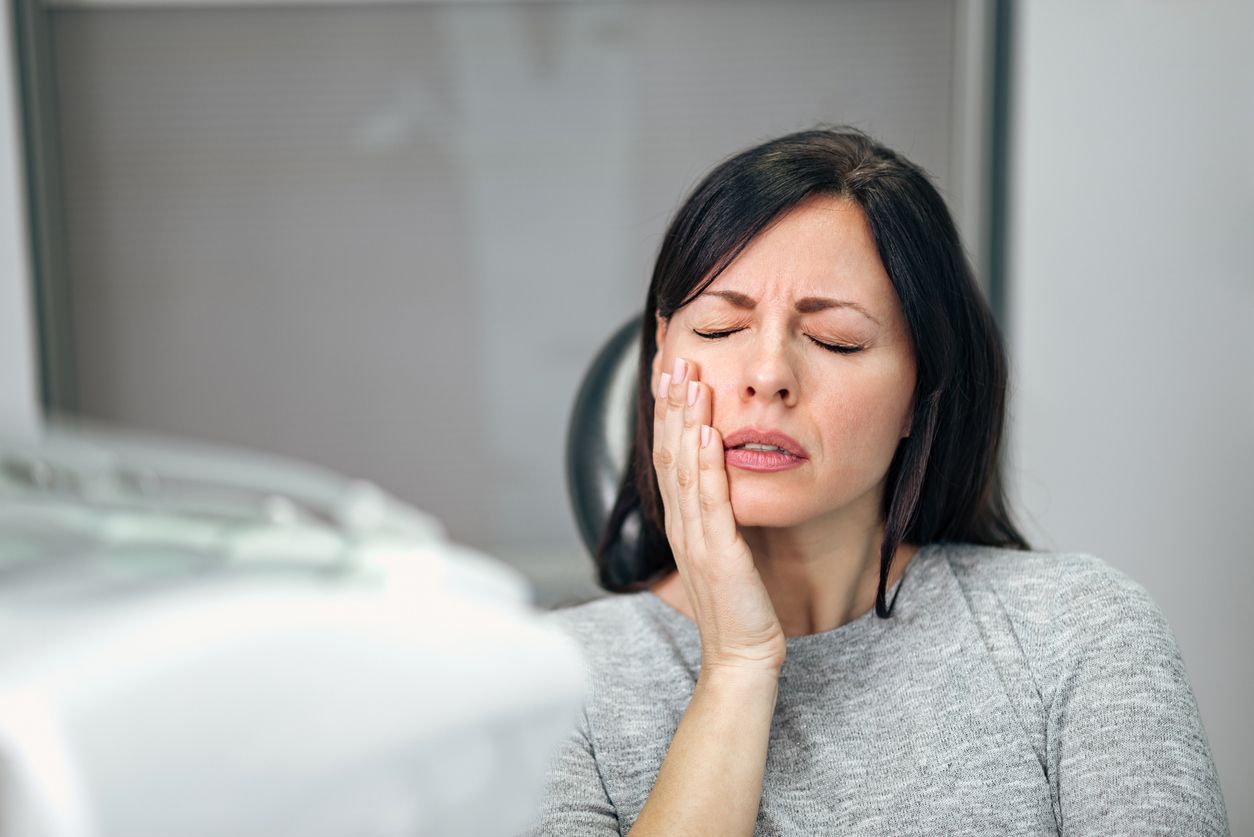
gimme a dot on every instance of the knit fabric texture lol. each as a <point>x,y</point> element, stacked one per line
<point>1010,692</point>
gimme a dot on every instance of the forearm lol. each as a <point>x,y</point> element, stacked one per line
<point>711,779</point>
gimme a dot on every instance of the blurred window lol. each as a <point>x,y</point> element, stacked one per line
<point>388,238</point>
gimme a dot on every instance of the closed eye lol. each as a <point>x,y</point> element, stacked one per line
<point>836,347</point>
<point>831,347</point>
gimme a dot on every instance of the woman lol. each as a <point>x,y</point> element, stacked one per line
<point>830,624</point>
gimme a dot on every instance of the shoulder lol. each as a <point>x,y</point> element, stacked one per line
<point>1067,616</point>
<point>1124,747</point>
<point>640,658</point>
<point>616,629</point>
<point>599,617</point>
<point>1052,588</point>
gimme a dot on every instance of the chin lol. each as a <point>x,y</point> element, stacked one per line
<point>768,500</point>
<point>764,507</point>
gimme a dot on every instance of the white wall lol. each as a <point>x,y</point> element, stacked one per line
<point>1132,310</point>
<point>19,405</point>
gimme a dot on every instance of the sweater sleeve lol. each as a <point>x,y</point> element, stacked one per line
<point>1125,742</point>
<point>575,800</point>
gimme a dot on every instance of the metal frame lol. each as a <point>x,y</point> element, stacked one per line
<point>19,403</point>
<point>981,93</point>
<point>997,195</point>
<point>49,273</point>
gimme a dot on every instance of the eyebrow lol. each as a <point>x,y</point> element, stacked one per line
<point>809,305</point>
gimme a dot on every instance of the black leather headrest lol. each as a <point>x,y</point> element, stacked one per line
<point>599,437</point>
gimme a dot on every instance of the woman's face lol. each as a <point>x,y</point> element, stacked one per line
<point>814,277</point>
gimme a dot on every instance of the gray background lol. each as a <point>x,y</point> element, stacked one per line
<point>1132,307</point>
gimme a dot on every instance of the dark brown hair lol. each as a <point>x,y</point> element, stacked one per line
<point>944,481</point>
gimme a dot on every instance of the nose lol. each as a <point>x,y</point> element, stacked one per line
<point>769,371</point>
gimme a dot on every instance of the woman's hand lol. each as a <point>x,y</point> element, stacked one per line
<point>732,609</point>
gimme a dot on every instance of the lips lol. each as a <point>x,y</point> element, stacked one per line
<point>752,436</point>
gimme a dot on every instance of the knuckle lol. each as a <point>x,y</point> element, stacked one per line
<point>684,477</point>
<point>709,503</point>
<point>663,458</point>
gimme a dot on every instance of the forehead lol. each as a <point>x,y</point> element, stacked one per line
<point>823,247</point>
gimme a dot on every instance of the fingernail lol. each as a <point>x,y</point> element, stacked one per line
<point>705,435</point>
<point>664,385</point>
<point>692,393</point>
<point>681,369</point>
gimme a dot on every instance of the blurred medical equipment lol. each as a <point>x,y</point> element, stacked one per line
<point>196,641</point>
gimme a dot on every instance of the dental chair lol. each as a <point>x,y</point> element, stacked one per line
<point>598,441</point>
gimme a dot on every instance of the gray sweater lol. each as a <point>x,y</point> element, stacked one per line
<point>1009,693</point>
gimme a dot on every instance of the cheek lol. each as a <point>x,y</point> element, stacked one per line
<point>670,348</point>
<point>721,382</point>
<point>867,417</point>
<point>863,417</point>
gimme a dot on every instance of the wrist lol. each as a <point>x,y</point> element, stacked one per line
<point>768,660</point>
<point>738,678</point>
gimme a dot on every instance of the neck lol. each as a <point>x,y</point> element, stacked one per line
<point>816,587</point>
<point>820,574</point>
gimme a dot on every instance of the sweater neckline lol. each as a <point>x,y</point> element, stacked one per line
<point>849,635</point>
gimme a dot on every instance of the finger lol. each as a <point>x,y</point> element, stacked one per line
<point>673,425</point>
<point>663,456</point>
<point>677,396</point>
<point>672,433</point>
<point>715,497</point>
<point>687,466</point>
